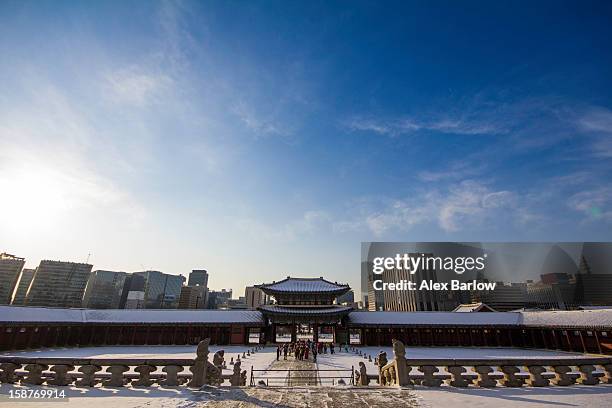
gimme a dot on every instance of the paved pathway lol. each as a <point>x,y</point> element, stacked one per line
<point>300,377</point>
<point>313,397</point>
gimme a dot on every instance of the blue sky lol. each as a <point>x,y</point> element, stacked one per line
<point>266,139</point>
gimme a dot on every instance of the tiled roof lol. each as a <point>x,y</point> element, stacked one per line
<point>434,318</point>
<point>565,319</point>
<point>304,285</point>
<point>274,309</point>
<point>43,314</point>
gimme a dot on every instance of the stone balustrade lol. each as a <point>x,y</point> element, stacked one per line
<point>121,372</point>
<point>403,371</point>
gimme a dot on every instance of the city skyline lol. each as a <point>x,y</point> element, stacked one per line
<point>272,139</point>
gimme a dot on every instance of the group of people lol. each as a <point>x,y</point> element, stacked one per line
<point>302,350</point>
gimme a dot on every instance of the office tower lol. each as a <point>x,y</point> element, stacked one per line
<point>255,297</point>
<point>58,284</point>
<point>104,290</point>
<point>135,296</point>
<point>161,290</point>
<point>505,297</point>
<point>593,289</point>
<point>10,269</point>
<point>193,297</point>
<point>198,277</point>
<point>219,299</point>
<point>19,295</point>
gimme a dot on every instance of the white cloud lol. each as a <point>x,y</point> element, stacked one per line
<point>595,204</point>
<point>136,87</point>
<point>461,206</point>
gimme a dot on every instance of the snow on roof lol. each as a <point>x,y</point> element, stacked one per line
<point>294,285</point>
<point>568,318</point>
<point>601,318</point>
<point>43,314</point>
<point>434,318</point>
<point>473,307</point>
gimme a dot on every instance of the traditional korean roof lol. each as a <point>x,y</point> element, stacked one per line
<point>433,319</point>
<point>304,286</point>
<point>135,316</point>
<point>473,307</point>
<point>305,310</point>
<point>560,319</point>
<point>601,318</point>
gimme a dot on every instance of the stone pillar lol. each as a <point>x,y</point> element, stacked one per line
<point>61,374</point>
<point>144,379</point>
<point>535,376</point>
<point>510,377</point>
<point>89,372</point>
<point>484,380</point>
<point>457,376</point>
<point>34,375</point>
<point>172,379</point>
<point>116,379</point>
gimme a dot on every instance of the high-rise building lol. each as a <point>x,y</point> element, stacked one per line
<point>58,284</point>
<point>104,290</point>
<point>198,277</point>
<point>593,289</point>
<point>255,297</point>
<point>193,297</point>
<point>219,299</point>
<point>505,297</point>
<point>161,290</point>
<point>135,296</point>
<point>10,269</point>
<point>19,295</point>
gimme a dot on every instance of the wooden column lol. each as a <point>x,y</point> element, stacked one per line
<point>597,340</point>
<point>582,341</point>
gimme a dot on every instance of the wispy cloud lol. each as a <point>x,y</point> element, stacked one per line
<point>408,125</point>
<point>464,205</point>
<point>595,204</point>
<point>135,86</point>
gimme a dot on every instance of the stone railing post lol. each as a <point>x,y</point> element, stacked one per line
<point>172,379</point>
<point>458,380</point>
<point>429,377</point>
<point>535,376</point>
<point>586,375</point>
<point>562,376</point>
<point>116,379</point>
<point>608,368</point>
<point>89,375</point>
<point>484,379</point>
<point>362,374</point>
<point>510,378</point>
<point>144,379</point>
<point>34,376</point>
<point>7,375</point>
<point>61,376</point>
